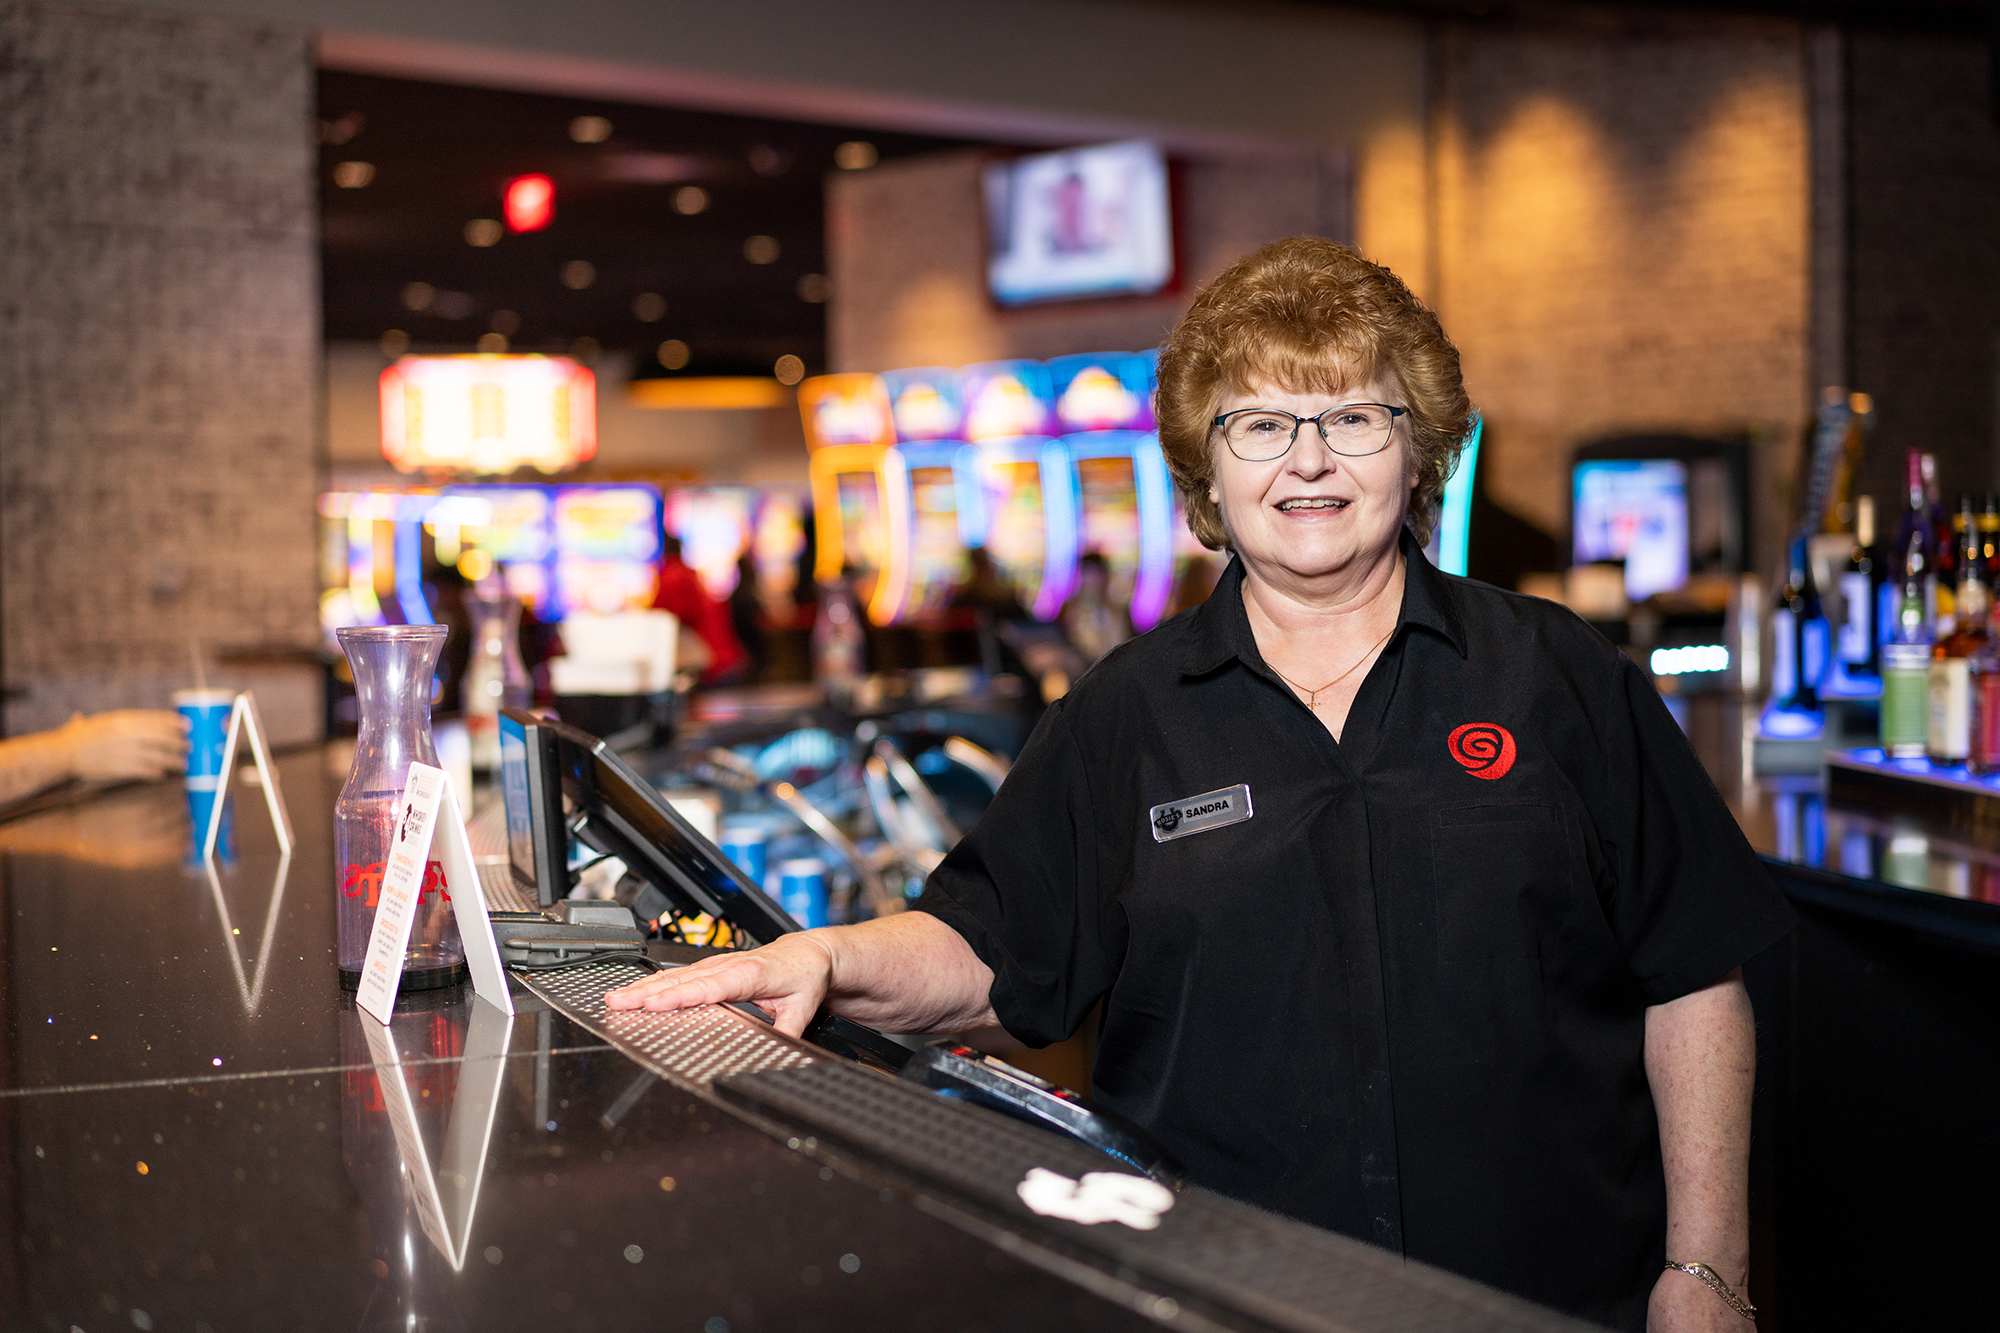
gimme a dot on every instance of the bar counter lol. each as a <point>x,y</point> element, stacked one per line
<point>202,1133</point>
<point>196,1136</point>
<point>1875,1154</point>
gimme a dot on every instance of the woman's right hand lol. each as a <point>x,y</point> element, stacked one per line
<point>904,973</point>
<point>788,978</point>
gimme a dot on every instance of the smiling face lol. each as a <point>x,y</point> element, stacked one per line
<point>1312,515</point>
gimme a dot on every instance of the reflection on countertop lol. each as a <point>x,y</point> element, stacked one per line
<point>1911,857</point>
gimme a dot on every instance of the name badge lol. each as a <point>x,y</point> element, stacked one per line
<point>1199,814</point>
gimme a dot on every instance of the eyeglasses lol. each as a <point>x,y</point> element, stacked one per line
<point>1353,430</point>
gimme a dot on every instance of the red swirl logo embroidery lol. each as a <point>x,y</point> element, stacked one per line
<point>1483,749</point>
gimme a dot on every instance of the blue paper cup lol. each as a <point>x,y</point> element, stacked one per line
<point>744,845</point>
<point>207,712</point>
<point>802,891</point>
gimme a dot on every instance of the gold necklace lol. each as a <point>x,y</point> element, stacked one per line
<point>1312,696</point>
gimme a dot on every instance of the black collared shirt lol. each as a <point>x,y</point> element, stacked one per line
<point>1406,998</point>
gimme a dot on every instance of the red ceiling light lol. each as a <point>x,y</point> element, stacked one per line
<point>530,203</point>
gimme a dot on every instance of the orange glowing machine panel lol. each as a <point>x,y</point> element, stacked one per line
<point>488,414</point>
<point>849,427</point>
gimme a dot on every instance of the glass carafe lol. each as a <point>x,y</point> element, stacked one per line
<point>394,667</point>
<point>495,676</point>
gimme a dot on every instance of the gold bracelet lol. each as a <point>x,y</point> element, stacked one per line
<point>1705,1275</point>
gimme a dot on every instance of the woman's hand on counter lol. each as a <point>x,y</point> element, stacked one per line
<point>788,978</point>
<point>906,973</point>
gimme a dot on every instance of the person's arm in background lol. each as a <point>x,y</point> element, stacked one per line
<point>105,747</point>
<point>1701,1060</point>
<point>905,973</point>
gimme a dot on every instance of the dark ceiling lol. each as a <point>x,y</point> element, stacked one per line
<point>441,156</point>
<point>1963,16</point>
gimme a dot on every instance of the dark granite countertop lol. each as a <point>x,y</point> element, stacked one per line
<point>197,1137</point>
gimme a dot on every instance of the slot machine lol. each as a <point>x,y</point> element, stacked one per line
<point>715,525</point>
<point>1125,495</point>
<point>930,482</point>
<point>520,536</point>
<point>606,547</point>
<point>848,430</point>
<point>1027,491</point>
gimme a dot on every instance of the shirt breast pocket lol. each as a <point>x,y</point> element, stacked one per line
<point>1500,877</point>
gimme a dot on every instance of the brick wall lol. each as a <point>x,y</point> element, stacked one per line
<point>1622,235</point>
<point>905,249</point>
<point>1924,221</point>
<point>159,330</point>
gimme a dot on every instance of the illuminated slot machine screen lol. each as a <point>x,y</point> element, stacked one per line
<point>607,547</point>
<point>713,524</point>
<point>1104,391</point>
<point>939,565</point>
<point>1126,513</point>
<point>1029,501</point>
<point>776,545</point>
<point>863,534</point>
<point>518,538</point>
<point>1017,531</point>
<point>1108,519</point>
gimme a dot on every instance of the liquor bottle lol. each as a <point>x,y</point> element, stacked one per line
<point>1983,746</point>
<point>1974,596</point>
<point>1949,731</point>
<point>1860,592</point>
<point>1989,541</point>
<point>1906,652</point>
<point>1911,561</point>
<point>1944,554</point>
<point>1800,637</point>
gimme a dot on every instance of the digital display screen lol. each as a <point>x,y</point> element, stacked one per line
<point>514,794</point>
<point>938,562</point>
<point>608,522</point>
<point>607,543</point>
<point>713,524</point>
<point>1017,526</point>
<point>927,403</point>
<point>519,532</point>
<point>1635,510</point>
<point>861,530</point>
<point>1004,399</point>
<point>1086,222</point>
<point>1110,519</point>
<point>1106,391</point>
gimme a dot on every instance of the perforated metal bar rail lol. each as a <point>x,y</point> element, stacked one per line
<point>1279,1272</point>
<point>487,831</point>
<point>692,1047</point>
<point>1250,1267</point>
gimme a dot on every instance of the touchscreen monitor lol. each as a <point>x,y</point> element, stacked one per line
<point>531,790</point>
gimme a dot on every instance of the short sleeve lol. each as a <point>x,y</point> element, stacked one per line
<point>1022,888</point>
<point>1688,898</point>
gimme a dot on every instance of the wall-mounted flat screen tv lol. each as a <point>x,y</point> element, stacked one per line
<point>1080,223</point>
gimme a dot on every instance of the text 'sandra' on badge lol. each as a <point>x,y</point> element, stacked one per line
<point>1199,814</point>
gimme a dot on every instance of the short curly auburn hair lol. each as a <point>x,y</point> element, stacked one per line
<point>1309,315</point>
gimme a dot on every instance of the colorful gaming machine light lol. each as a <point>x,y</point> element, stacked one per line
<point>930,490</point>
<point>848,429</point>
<point>488,414</point>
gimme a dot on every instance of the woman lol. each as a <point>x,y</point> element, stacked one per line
<point>1411,912</point>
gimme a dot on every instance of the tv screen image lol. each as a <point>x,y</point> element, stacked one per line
<point>1083,222</point>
